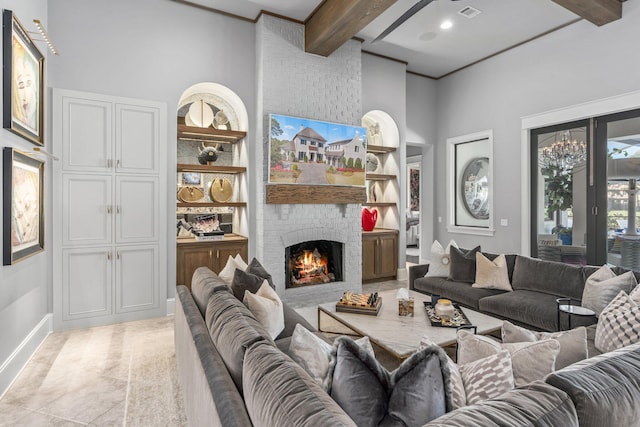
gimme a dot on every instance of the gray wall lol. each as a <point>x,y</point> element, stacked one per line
<point>577,64</point>
<point>24,287</point>
<point>153,50</point>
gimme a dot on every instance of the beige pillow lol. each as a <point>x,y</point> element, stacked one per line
<point>439,259</point>
<point>267,308</point>
<point>226,274</point>
<point>531,361</point>
<point>602,286</point>
<point>492,274</point>
<point>635,294</point>
<point>618,324</point>
<point>573,343</point>
<point>240,262</point>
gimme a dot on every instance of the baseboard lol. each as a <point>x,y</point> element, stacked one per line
<point>14,364</point>
<point>171,306</point>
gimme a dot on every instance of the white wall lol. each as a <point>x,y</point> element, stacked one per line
<point>152,50</point>
<point>574,65</point>
<point>26,286</point>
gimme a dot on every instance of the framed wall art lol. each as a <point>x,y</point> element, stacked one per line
<point>22,207</point>
<point>470,183</point>
<point>23,81</point>
<point>312,152</point>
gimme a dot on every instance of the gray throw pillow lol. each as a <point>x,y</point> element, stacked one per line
<point>243,281</point>
<point>256,268</point>
<point>278,392</point>
<point>463,264</point>
<point>413,394</point>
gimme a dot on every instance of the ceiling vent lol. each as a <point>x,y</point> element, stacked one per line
<point>469,12</point>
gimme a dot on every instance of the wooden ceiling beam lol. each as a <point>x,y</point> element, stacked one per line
<point>599,12</point>
<point>337,21</point>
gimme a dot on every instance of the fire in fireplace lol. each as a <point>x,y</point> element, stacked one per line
<point>313,263</point>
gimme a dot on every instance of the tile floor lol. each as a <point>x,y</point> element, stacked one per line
<point>121,374</point>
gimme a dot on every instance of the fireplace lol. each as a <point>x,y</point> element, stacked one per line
<point>313,263</point>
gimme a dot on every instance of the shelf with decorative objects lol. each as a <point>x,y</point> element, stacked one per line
<point>211,193</point>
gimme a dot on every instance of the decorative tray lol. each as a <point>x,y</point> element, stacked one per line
<point>359,303</point>
<point>458,319</point>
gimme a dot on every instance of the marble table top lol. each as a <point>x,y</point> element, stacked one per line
<point>399,335</point>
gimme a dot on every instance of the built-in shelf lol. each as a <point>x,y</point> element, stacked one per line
<point>211,204</point>
<point>380,149</point>
<point>228,237</point>
<point>381,231</point>
<point>183,167</point>
<point>379,204</point>
<point>380,177</point>
<point>194,133</point>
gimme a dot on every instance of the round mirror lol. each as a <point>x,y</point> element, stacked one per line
<point>475,187</point>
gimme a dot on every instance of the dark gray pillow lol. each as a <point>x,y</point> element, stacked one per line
<point>278,392</point>
<point>256,268</point>
<point>555,278</point>
<point>233,329</point>
<point>463,264</point>
<point>413,394</point>
<point>243,281</point>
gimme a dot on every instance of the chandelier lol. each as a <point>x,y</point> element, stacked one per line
<point>565,153</point>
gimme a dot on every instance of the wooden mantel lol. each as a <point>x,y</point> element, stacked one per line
<point>599,12</point>
<point>293,194</point>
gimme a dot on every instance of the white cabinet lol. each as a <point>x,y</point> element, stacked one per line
<point>109,236</point>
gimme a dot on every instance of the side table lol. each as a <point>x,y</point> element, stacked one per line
<point>565,306</point>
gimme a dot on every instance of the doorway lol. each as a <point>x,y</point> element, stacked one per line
<point>413,208</point>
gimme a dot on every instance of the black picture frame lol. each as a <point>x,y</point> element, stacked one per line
<point>22,206</point>
<point>23,81</point>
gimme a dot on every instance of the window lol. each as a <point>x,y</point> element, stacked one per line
<point>357,150</point>
<point>303,141</point>
<point>313,143</point>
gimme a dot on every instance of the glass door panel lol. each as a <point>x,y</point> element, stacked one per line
<point>559,193</point>
<point>623,173</point>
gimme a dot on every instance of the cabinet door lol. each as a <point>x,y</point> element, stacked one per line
<point>190,257</point>
<point>136,286</point>
<point>388,256</point>
<point>136,209</point>
<point>86,282</point>
<point>369,251</point>
<point>222,252</point>
<point>87,128</point>
<point>87,212</point>
<point>136,139</point>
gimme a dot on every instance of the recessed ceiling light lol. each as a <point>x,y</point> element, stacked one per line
<point>446,24</point>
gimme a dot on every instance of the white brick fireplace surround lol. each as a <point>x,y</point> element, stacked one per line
<point>296,83</point>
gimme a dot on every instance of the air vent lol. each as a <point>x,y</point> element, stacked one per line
<point>469,12</point>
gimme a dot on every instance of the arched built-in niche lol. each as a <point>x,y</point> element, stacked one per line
<point>228,137</point>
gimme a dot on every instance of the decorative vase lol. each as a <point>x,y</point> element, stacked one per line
<point>444,309</point>
<point>369,219</point>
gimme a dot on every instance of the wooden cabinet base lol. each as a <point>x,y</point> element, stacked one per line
<point>192,254</point>
<point>379,255</point>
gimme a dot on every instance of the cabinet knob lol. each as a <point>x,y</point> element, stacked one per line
<point>108,163</point>
<point>218,253</point>
<point>109,209</point>
<point>118,255</point>
<point>118,163</point>
<point>118,209</point>
<point>108,256</point>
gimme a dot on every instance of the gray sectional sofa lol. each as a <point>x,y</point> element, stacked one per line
<point>532,303</point>
<point>221,387</point>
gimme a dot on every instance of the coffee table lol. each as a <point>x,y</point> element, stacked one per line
<point>398,335</point>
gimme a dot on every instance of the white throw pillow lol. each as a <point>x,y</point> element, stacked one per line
<point>573,343</point>
<point>602,286</point>
<point>487,377</point>
<point>316,356</point>
<point>226,274</point>
<point>240,262</point>
<point>267,308</point>
<point>492,274</point>
<point>531,361</point>
<point>439,260</point>
<point>618,324</point>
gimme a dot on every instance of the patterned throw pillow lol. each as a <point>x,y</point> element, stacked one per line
<point>603,285</point>
<point>488,377</point>
<point>618,324</point>
<point>439,259</point>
